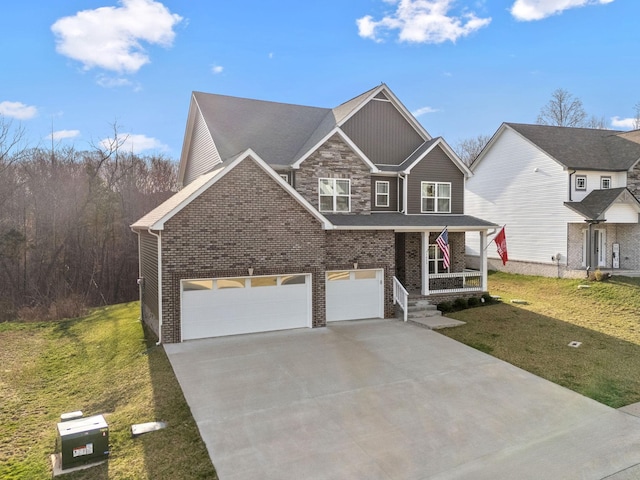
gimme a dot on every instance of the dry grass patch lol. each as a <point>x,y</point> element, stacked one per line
<point>100,364</point>
<point>535,336</point>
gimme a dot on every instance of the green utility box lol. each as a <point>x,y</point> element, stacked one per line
<point>83,440</point>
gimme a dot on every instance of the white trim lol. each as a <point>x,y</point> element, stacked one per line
<point>435,198</point>
<point>218,174</point>
<point>450,153</point>
<point>347,140</point>
<point>581,177</point>
<point>334,195</point>
<point>602,180</point>
<point>159,237</point>
<point>384,194</point>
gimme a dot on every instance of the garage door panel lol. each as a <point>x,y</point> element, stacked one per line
<point>231,311</point>
<point>354,294</point>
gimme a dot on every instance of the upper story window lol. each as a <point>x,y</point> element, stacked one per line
<point>335,194</point>
<point>605,182</point>
<point>285,177</point>
<point>581,182</point>
<point>435,197</point>
<point>382,194</point>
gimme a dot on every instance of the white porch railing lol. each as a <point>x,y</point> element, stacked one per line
<point>460,282</point>
<point>400,296</point>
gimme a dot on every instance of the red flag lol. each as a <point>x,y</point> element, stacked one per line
<point>501,244</point>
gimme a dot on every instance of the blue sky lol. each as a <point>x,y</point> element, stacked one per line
<point>73,68</point>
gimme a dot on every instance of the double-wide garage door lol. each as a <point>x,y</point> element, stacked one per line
<point>216,307</point>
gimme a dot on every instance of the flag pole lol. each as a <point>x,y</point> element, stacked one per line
<point>494,237</point>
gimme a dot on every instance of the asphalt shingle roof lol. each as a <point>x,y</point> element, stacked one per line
<point>596,203</point>
<point>584,148</point>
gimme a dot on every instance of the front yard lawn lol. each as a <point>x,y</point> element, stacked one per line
<point>535,336</point>
<point>100,364</point>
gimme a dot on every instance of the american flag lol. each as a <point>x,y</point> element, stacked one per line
<point>443,243</point>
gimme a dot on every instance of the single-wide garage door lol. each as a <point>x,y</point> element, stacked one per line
<point>216,307</point>
<point>354,294</point>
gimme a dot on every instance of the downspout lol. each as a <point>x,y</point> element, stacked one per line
<point>157,235</point>
<point>570,175</point>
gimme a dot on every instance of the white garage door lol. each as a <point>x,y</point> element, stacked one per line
<point>354,294</point>
<point>228,306</point>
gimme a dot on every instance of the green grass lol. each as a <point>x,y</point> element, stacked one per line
<point>100,364</point>
<point>535,336</point>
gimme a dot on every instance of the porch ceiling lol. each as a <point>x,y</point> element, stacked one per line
<point>400,221</point>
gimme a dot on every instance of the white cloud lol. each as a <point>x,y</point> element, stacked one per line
<point>217,69</point>
<point>423,110</point>
<point>18,110</point>
<point>422,21</point>
<point>527,10</point>
<point>112,82</point>
<point>62,134</point>
<point>628,123</point>
<point>135,143</point>
<point>110,37</point>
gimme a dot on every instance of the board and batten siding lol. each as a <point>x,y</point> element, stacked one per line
<point>149,271</point>
<point>435,167</point>
<point>382,133</point>
<point>202,155</point>
<point>518,185</point>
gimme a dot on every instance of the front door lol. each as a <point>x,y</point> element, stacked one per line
<point>595,250</point>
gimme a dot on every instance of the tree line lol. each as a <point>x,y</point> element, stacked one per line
<point>65,241</point>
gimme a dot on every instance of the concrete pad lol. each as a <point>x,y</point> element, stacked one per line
<point>633,409</point>
<point>384,399</point>
<point>436,323</point>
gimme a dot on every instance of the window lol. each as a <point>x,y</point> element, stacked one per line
<point>382,194</point>
<point>264,281</point>
<point>230,283</point>
<point>335,194</point>
<point>581,182</point>
<point>605,182</point>
<point>285,177</point>
<point>436,261</point>
<point>191,285</point>
<point>436,197</point>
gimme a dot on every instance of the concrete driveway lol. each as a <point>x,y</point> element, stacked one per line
<point>381,399</point>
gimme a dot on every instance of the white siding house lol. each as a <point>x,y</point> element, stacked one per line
<point>551,186</point>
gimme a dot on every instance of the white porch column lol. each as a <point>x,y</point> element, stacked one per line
<point>425,263</point>
<point>483,260</point>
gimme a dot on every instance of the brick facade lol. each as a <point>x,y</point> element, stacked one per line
<point>235,226</point>
<point>335,159</point>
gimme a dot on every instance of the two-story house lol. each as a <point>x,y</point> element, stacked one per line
<point>292,216</point>
<point>568,197</point>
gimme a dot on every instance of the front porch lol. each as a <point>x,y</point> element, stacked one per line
<point>421,270</point>
<point>421,273</point>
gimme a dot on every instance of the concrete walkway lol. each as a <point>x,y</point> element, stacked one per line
<point>382,399</point>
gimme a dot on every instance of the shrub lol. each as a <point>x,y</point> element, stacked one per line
<point>445,307</point>
<point>473,302</point>
<point>460,303</point>
<point>488,298</point>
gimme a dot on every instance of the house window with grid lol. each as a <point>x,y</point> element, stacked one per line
<point>436,197</point>
<point>382,194</point>
<point>605,182</point>
<point>335,194</point>
<point>436,261</point>
<point>581,182</point>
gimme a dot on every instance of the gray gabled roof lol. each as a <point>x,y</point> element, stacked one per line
<point>584,148</point>
<point>275,131</point>
<point>594,205</point>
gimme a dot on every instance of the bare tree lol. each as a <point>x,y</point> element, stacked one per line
<point>596,122</point>
<point>636,119</point>
<point>468,149</point>
<point>563,110</point>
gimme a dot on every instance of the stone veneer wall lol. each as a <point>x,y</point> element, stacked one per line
<point>335,159</point>
<point>370,249</point>
<point>633,180</point>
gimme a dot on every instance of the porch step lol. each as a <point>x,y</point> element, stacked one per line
<point>435,322</point>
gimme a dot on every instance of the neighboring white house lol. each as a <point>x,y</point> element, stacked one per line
<point>568,198</point>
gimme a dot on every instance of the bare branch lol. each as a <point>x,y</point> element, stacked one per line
<point>563,110</point>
